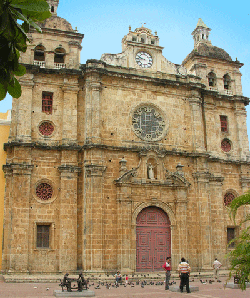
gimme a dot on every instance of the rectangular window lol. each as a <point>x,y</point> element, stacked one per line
<point>43,236</point>
<point>223,123</point>
<point>47,102</point>
<point>230,236</point>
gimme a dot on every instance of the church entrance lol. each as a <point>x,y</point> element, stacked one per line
<point>153,239</point>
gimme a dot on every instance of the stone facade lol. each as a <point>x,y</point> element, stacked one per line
<point>121,135</point>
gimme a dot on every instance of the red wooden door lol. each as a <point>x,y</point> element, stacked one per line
<point>153,239</point>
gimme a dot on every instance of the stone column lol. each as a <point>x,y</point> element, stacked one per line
<point>16,221</point>
<point>93,217</point>
<point>23,107</point>
<point>197,122</point>
<point>68,218</point>
<point>69,121</point>
<point>204,206</point>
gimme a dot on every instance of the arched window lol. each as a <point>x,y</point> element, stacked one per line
<point>39,53</point>
<point>211,79</point>
<point>59,55</point>
<point>227,81</point>
<point>52,9</point>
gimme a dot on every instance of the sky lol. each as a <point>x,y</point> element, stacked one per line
<point>104,23</point>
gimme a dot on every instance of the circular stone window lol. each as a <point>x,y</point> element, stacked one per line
<point>226,145</point>
<point>148,123</point>
<point>46,128</point>
<point>44,191</point>
<point>228,198</point>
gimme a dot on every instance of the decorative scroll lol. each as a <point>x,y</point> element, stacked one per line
<point>44,191</point>
<point>46,128</point>
<point>148,123</point>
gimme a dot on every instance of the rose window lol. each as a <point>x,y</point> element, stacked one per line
<point>44,191</point>
<point>46,128</point>
<point>148,123</point>
<point>226,145</point>
<point>228,198</point>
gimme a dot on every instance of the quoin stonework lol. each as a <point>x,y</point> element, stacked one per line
<point>117,163</point>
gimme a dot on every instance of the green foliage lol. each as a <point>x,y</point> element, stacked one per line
<point>13,39</point>
<point>240,257</point>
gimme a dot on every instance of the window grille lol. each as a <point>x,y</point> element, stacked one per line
<point>228,198</point>
<point>225,145</point>
<point>44,191</point>
<point>47,102</point>
<point>230,237</point>
<point>223,123</point>
<point>46,128</point>
<point>43,236</point>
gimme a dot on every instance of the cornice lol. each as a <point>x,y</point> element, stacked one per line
<point>134,148</point>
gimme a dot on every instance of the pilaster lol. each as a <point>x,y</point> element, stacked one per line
<point>241,131</point>
<point>24,109</point>
<point>68,218</point>
<point>93,109</point>
<point>124,234</point>
<point>93,217</point>
<point>197,123</point>
<point>69,121</point>
<point>203,198</point>
<point>16,223</point>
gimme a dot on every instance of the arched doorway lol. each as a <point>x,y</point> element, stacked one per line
<point>153,239</point>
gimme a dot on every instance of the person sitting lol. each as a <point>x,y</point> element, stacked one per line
<point>118,277</point>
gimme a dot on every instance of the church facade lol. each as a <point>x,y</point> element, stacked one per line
<point>120,162</point>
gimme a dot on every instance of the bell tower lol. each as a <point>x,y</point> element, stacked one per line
<point>201,33</point>
<point>53,4</point>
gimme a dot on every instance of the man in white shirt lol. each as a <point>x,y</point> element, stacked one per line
<point>216,266</point>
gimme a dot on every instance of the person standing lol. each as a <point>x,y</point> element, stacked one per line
<point>167,268</point>
<point>216,266</point>
<point>184,272</point>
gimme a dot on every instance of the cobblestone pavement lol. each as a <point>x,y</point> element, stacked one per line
<point>41,290</point>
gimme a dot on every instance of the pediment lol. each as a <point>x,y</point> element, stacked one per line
<point>171,179</point>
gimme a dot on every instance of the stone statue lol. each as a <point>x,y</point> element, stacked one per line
<point>150,171</point>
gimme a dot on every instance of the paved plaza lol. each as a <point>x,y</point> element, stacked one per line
<point>40,290</point>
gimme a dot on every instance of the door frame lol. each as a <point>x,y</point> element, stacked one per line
<point>137,210</point>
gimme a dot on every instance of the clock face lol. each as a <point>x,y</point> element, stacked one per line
<point>144,59</point>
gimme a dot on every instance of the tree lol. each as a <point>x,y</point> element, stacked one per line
<point>16,19</point>
<point>240,257</point>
